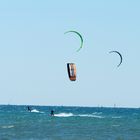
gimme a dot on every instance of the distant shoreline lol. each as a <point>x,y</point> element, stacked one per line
<point>70,106</point>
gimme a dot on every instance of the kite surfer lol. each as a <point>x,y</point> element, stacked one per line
<point>29,109</point>
<point>52,113</point>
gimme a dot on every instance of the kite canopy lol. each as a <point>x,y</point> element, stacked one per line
<point>81,38</point>
<point>71,67</point>
<point>119,55</point>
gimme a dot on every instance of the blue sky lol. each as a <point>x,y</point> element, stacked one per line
<point>34,52</point>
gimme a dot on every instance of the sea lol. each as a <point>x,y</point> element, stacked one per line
<point>69,123</point>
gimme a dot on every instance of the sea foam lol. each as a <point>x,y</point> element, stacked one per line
<point>64,115</point>
<point>79,115</point>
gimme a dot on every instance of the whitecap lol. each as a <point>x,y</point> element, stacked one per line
<point>97,113</point>
<point>90,115</point>
<point>8,126</point>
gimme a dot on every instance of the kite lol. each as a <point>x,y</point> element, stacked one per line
<point>119,55</point>
<point>80,36</point>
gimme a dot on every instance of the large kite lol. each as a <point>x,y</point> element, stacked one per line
<point>71,67</point>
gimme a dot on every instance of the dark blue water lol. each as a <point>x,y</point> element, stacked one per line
<point>69,123</point>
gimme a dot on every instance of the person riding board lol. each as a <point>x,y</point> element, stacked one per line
<point>52,113</point>
<point>29,109</point>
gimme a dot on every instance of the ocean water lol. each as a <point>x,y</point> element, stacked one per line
<point>69,123</point>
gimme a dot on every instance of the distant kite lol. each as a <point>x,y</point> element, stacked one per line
<point>71,67</point>
<point>119,55</point>
<point>81,38</point>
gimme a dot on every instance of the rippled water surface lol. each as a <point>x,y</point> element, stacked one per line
<point>69,123</point>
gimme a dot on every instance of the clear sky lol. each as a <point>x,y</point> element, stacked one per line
<point>34,52</point>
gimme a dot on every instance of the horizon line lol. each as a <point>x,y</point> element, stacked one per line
<point>84,106</point>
